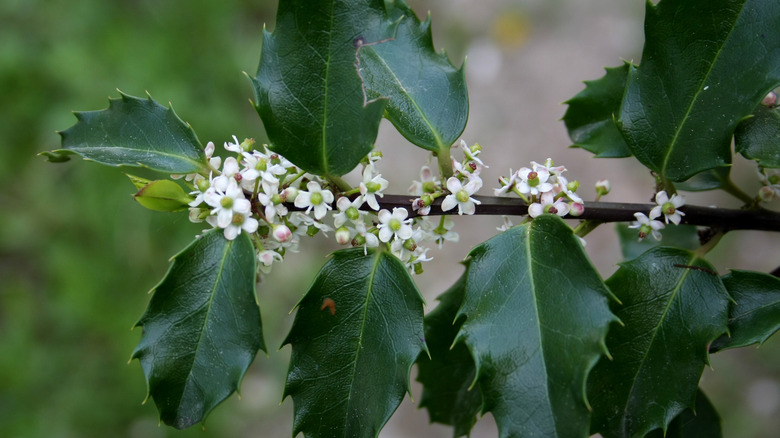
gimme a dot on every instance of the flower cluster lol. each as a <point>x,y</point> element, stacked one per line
<point>668,207</point>
<point>544,188</point>
<point>254,191</point>
<point>770,188</point>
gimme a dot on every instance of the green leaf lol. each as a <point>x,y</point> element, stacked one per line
<point>449,391</point>
<point>758,138</point>
<point>683,102</point>
<point>428,96</point>
<point>754,315</point>
<point>356,334</point>
<point>536,319</point>
<point>163,195</point>
<point>682,236</point>
<point>674,306</point>
<point>307,90</point>
<point>702,421</point>
<point>135,132</point>
<point>202,328</point>
<point>707,180</point>
<point>590,118</point>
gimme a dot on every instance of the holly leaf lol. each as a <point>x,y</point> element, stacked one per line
<point>202,328</point>
<point>307,89</point>
<point>702,421</point>
<point>450,393</point>
<point>536,319</point>
<point>590,118</point>
<point>674,306</point>
<point>758,138</point>
<point>135,132</point>
<point>754,315</point>
<point>683,236</point>
<point>707,180</point>
<point>356,335</point>
<point>683,102</point>
<point>428,97</point>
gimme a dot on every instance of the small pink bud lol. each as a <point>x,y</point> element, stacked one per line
<point>343,236</point>
<point>766,194</point>
<point>577,209</point>
<point>769,100</point>
<point>282,233</point>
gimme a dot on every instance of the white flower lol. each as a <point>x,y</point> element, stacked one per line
<point>506,225</point>
<point>548,204</point>
<point>227,203</point>
<point>470,154</point>
<point>460,195</point>
<point>267,258</point>
<point>428,183</point>
<point>240,222</point>
<point>669,207</point>
<point>647,225</point>
<point>317,199</point>
<point>233,147</point>
<point>229,171</point>
<point>310,227</point>
<point>394,225</point>
<point>367,239</point>
<point>348,210</point>
<point>533,182</point>
<point>372,186</point>
<point>506,184</point>
<point>272,200</point>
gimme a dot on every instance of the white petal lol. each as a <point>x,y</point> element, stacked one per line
<point>404,233</point>
<point>449,203</point>
<point>454,185</point>
<point>385,234</point>
<point>385,216</point>
<point>231,232</point>
<point>467,207</point>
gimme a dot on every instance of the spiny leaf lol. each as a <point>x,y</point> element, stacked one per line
<point>449,391</point>
<point>356,334</point>
<point>590,118</point>
<point>428,97</point>
<point>758,138</point>
<point>754,315</point>
<point>674,306</point>
<point>135,132</point>
<point>536,319</point>
<point>683,102</point>
<point>202,328</point>
<point>307,90</point>
<point>702,421</point>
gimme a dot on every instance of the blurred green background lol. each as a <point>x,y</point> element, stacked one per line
<point>77,255</point>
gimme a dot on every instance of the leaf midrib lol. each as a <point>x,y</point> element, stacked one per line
<point>673,142</point>
<point>656,329</point>
<point>209,303</point>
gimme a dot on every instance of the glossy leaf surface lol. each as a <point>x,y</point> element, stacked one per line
<point>428,97</point>
<point>673,306</point>
<point>536,319</point>
<point>135,132</point>
<point>356,334</point>
<point>449,391</point>
<point>202,328</point>
<point>702,421</point>
<point>754,315</point>
<point>758,138</point>
<point>307,90</point>
<point>590,118</point>
<point>683,102</point>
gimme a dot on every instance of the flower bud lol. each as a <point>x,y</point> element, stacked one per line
<point>343,235</point>
<point>289,194</point>
<point>769,100</point>
<point>576,209</point>
<point>603,187</point>
<point>766,194</point>
<point>282,233</point>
